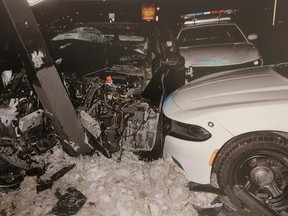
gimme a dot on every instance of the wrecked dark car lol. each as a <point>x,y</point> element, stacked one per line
<point>101,45</point>
<point>111,78</point>
<point>116,75</point>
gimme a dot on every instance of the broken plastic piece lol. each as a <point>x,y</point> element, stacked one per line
<point>31,121</point>
<point>90,124</point>
<point>47,184</point>
<point>69,204</point>
<point>36,171</point>
<point>109,79</point>
<point>193,186</point>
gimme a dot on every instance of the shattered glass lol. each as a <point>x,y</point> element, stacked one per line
<point>85,34</point>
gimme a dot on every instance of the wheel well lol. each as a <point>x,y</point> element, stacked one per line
<point>256,162</point>
<point>281,134</point>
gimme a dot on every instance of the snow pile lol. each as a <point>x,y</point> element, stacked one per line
<point>131,187</point>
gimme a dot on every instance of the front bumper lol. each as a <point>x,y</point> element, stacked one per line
<point>190,157</point>
<point>193,156</point>
<point>194,72</point>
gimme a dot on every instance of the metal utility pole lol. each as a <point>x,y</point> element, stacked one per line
<point>43,75</point>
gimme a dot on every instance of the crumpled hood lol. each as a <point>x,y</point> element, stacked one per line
<point>219,55</point>
<point>225,90</point>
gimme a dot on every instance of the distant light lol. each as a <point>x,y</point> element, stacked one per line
<point>256,62</point>
<point>274,12</point>
<point>34,2</point>
<point>158,8</point>
<point>111,17</point>
<point>148,12</point>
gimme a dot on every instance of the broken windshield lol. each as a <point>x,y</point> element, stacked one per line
<point>84,34</point>
<point>128,39</point>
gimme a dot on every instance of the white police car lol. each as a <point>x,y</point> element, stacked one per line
<point>210,42</point>
<point>233,123</point>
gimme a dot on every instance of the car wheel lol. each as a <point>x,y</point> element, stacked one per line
<point>259,163</point>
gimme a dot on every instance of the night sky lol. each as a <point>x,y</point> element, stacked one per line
<point>253,14</point>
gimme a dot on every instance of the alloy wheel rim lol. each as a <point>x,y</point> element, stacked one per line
<point>265,177</point>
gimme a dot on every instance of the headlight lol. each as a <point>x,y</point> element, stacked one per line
<point>258,62</point>
<point>188,132</point>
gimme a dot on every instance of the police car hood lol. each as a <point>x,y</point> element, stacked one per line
<point>219,54</point>
<point>228,90</point>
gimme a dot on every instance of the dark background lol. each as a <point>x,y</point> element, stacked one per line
<point>254,16</point>
<point>251,12</point>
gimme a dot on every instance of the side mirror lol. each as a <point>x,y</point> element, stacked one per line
<point>252,37</point>
<point>173,59</point>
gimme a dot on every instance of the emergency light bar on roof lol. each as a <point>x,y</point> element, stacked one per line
<point>33,2</point>
<point>207,20</point>
<point>214,12</point>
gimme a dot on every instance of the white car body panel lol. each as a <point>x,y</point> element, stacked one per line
<point>236,102</point>
<point>219,54</point>
<point>183,151</point>
<point>215,55</point>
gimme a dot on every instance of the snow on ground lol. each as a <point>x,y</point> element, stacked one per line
<point>130,187</point>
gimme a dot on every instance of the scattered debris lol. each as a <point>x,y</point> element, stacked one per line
<point>220,206</point>
<point>204,188</point>
<point>210,211</point>
<point>36,171</point>
<point>228,208</point>
<point>69,204</point>
<point>13,183</point>
<point>46,184</point>
<point>11,176</point>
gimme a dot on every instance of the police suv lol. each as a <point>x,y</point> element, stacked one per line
<point>211,42</point>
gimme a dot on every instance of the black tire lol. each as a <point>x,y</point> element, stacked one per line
<point>259,163</point>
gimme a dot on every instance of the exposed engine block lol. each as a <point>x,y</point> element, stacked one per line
<point>109,105</point>
<point>123,117</point>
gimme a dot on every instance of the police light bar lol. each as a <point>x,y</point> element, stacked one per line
<point>33,2</point>
<point>218,19</point>
<point>214,12</point>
